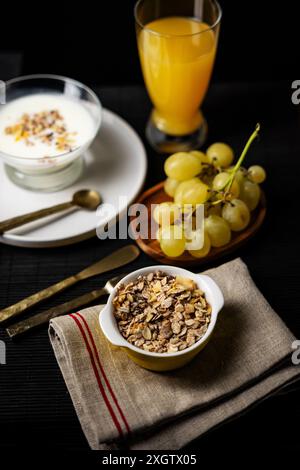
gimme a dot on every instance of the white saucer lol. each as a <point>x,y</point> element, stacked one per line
<point>116,166</point>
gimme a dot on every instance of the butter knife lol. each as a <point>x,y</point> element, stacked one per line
<point>115,260</point>
<point>68,307</point>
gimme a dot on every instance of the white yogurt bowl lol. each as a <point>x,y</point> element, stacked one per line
<point>43,166</point>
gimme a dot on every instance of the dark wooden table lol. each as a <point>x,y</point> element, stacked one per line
<point>34,403</point>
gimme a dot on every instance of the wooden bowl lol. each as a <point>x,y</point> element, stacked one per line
<point>151,247</point>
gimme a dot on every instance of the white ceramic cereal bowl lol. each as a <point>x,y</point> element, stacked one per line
<point>162,361</point>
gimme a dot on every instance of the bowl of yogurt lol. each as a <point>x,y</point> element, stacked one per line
<point>46,125</point>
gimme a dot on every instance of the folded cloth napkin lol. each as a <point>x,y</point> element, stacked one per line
<point>121,405</point>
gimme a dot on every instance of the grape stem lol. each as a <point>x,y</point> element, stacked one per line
<point>238,164</point>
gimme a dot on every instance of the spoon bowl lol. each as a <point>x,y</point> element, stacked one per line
<point>87,199</point>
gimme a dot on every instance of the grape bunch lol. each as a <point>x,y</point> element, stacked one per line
<point>228,192</point>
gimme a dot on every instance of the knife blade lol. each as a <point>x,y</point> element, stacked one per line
<point>35,321</point>
<point>115,260</point>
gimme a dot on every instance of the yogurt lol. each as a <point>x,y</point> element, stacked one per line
<point>38,126</point>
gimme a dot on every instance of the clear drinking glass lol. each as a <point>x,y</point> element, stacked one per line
<point>177,43</point>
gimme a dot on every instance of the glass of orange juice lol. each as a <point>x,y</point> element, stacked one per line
<point>177,42</point>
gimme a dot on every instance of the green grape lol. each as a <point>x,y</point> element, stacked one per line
<point>172,241</point>
<point>191,192</point>
<point>236,214</point>
<point>250,194</point>
<point>182,166</point>
<point>256,174</point>
<point>196,194</point>
<point>186,210</point>
<point>218,230</point>
<point>182,187</point>
<point>194,239</point>
<point>202,252</point>
<point>170,186</point>
<point>166,213</point>
<point>220,155</point>
<point>202,157</point>
<point>220,181</point>
<point>240,174</point>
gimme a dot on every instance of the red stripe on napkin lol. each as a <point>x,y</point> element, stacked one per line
<point>103,372</point>
<point>101,388</point>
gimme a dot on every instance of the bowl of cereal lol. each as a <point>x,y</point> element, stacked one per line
<point>162,316</point>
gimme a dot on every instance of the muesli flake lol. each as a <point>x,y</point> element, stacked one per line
<point>162,313</point>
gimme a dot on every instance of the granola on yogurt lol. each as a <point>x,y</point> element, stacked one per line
<point>161,313</point>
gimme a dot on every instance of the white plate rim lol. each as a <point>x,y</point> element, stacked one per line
<point>25,242</point>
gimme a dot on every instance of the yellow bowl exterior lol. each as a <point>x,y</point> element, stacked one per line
<point>161,364</point>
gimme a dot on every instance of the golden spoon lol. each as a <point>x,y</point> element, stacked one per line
<point>114,260</point>
<point>86,199</point>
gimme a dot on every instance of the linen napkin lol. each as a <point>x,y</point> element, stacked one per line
<point>121,405</point>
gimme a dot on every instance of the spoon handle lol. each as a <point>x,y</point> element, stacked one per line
<point>31,216</point>
<point>22,305</point>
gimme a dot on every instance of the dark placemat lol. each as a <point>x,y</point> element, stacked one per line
<point>34,403</point>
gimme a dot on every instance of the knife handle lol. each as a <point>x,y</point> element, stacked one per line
<point>44,317</point>
<point>19,307</point>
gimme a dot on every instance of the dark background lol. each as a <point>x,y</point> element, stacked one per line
<point>94,41</point>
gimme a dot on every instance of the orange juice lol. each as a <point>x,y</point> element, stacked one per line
<point>177,56</point>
